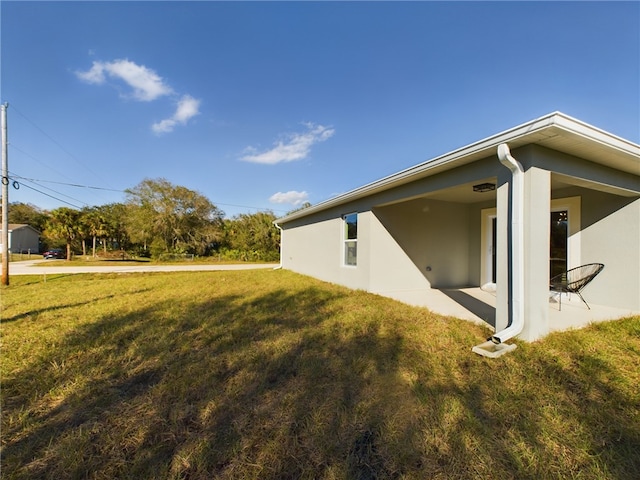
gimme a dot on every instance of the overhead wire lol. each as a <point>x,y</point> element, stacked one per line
<point>13,177</point>
<point>51,196</point>
<point>58,144</point>
<point>70,184</point>
<point>35,181</point>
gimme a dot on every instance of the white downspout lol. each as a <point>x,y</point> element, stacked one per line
<point>516,274</point>
<point>279,228</point>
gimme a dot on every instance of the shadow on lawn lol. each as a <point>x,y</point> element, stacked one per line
<point>311,384</point>
<point>53,308</point>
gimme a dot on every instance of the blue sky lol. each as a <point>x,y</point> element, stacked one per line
<point>264,105</point>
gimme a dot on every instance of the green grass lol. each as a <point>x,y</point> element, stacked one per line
<point>272,375</point>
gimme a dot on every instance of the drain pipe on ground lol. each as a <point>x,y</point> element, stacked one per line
<point>494,346</point>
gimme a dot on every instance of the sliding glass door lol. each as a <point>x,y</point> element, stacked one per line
<point>558,243</point>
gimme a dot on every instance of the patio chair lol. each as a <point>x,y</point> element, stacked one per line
<point>574,280</point>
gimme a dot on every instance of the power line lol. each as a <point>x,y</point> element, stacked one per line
<point>33,180</point>
<point>88,169</point>
<point>125,191</point>
<point>70,184</point>
<point>17,184</point>
<point>51,196</point>
<point>79,162</point>
<point>246,206</point>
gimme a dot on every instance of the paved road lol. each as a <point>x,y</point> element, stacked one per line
<point>40,267</point>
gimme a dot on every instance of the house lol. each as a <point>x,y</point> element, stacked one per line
<point>22,238</point>
<point>445,234</point>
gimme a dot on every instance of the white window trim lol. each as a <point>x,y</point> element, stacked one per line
<point>344,240</point>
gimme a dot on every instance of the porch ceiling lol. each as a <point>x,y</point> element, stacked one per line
<point>464,193</point>
<point>559,181</point>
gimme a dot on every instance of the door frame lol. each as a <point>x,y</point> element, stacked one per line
<point>570,204</point>
<point>487,247</point>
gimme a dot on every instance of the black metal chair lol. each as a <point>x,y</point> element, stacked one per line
<point>574,280</point>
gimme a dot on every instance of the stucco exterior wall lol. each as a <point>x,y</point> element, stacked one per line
<point>434,235</point>
<point>537,199</point>
<point>391,268</point>
<point>412,245</point>
<point>610,234</point>
<point>609,225</point>
<point>316,249</point>
<point>313,249</point>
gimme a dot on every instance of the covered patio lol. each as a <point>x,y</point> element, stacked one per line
<point>458,234</point>
<point>479,306</point>
<point>479,232</point>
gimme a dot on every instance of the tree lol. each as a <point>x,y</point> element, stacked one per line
<point>115,215</point>
<point>171,218</point>
<point>94,226</point>
<point>254,235</point>
<point>64,224</point>
<point>28,214</point>
<point>301,207</point>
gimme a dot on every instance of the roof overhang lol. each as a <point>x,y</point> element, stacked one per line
<point>556,131</point>
<point>19,226</point>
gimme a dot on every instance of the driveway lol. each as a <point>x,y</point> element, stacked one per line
<point>43,267</point>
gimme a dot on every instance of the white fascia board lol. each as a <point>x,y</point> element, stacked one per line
<point>595,134</point>
<point>477,150</point>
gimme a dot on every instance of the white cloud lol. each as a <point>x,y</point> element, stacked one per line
<point>292,197</point>
<point>188,107</point>
<point>296,146</point>
<point>147,85</point>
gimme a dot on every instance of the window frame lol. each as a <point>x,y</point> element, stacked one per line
<point>349,241</point>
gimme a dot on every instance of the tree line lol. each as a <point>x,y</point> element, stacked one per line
<point>157,218</point>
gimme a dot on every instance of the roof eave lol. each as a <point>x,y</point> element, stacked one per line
<point>518,136</point>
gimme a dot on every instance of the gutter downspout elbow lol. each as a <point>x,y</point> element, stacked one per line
<point>516,274</point>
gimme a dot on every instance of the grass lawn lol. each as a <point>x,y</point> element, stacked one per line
<point>272,375</point>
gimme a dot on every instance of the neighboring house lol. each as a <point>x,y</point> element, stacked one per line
<point>22,239</point>
<point>446,224</point>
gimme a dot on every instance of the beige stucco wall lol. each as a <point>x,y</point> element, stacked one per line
<point>537,208</point>
<point>434,235</point>
<point>610,234</point>
<point>412,245</point>
<point>391,268</point>
<point>316,249</point>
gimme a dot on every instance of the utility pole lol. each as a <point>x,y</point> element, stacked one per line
<point>5,196</point>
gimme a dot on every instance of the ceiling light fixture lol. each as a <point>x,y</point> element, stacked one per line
<point>484,187</point>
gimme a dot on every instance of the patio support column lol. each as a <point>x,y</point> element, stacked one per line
<point>537,207</point>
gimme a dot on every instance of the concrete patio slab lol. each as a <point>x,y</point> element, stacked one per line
<point>478,306</point>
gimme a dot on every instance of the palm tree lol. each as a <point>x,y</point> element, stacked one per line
<point>96,225</point>
<point>64,224</point>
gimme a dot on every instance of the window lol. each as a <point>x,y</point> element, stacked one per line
<point>350,239</point>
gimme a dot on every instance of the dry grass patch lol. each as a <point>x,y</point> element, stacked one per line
<point>270,375</point>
